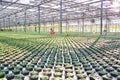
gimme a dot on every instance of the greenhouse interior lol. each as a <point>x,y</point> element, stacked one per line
<point>59,39</point>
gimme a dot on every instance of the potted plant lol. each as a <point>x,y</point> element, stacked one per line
<point>58,74</point>
<point>16,71</point>
<point>19,77</point>
<point>118,77</point>
<point>98,69</point>
<point>115,66</point>
<point>10,76</point>
<point>69,79</point>
<point>94,76</point>
<point>1,67</point>
<point>44,78</point>
<point>19,67</point>
<point>89,72</point>
<point>79,71</point>
<point>5,70</point>
<point>5,64</point>
<point>47,70</point>
<point>101,73</point>
<point>33,77</point>
<point>47,73</point>
<point>68,66</point>
<point>2,74</point>
<point>38,69</point>
<point>69,75</point>
<point>109,69</point>
<point>81,76</point>
<point>114,74</point>
<point>56,78</point>
<point>25,72</point>
<point>69,71</point>
<point>106,77</point>
<point>11,67</point>
<point>29,68</point>
<point>34,73</point>
<point>87,68</point>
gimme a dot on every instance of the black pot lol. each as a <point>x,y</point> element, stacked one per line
<point>2,74</point>
<point>9,76</point>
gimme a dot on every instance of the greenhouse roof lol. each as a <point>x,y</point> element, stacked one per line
<point>51,8</point>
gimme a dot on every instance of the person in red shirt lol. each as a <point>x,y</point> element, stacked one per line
<point>52,31</point>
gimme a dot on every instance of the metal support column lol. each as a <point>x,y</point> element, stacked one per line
<point>4,23</point>
<point>101,17</point>
<point>60,17</point>
<point>0,24</point>
<point>53,23</point>
<point>83,23</point>
<point>15,22</point>
<point>106,25</point>
<point>39,22</point>
<point>9,23</point>
<point>78,24</point>
<point>66,24</point>
<point>25,16</point>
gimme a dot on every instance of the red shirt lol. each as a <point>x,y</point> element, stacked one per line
<point>52,32</point>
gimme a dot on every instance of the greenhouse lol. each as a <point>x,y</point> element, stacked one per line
<point>59,39</point>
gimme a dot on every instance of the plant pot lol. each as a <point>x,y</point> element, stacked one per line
<point>69,79</point>
<point>105,66</point>
<point>101,73</point>
<point>69,75</point>
<point>47,70</point>
<point>10,67</point>
<point>98,69</point>
<point>49,66</point>
<point>1,67</point>
<point>118,77</point>
<point>88,68</point>
<point>34,77</point>
<point>25,72</point>
<point>5,64</point>
<point>105,77</point>
<point>44,78</point>
<point>16,71</point>
<point>56,78</point>
<point>115,66</point>
<point>80,76</point>
<point>89,72</point>
<point>10,76</point>
<point>78,68</point>
<point>5,70</point>
<point>110,69</point>
<point>47,74</point>
<point>58,74</point>
<point>95,65</point>
<point>79,72</point>
<point>69,71</point>
<point>118,69</point>
<point>2,74</point>
<point>38,69</point>
<point>114,74</point>
<point>29,68</point>
<point>68,66</point>
<point>19,67</point>
<point>86,65</point>
<point>19,77</point>
<point>34,73</point>
<point>94,76</point>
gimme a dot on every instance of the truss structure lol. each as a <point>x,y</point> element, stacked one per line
<point>62,12</point>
